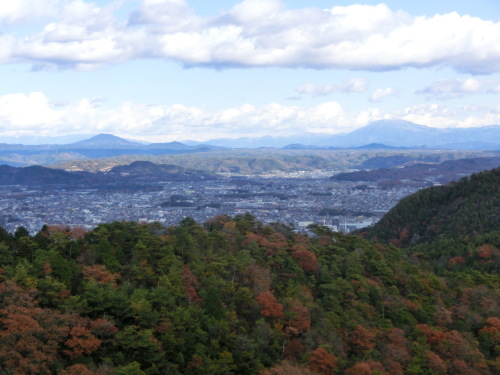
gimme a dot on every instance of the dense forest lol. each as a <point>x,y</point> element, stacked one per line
<point>235,296</point>
<point>460,210</point>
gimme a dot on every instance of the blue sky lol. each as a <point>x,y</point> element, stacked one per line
<point>165,70</point>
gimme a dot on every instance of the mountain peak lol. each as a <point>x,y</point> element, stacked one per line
<point>401,124</point>
<point>105,140</point>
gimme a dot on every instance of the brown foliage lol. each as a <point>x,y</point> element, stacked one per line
<point>305,259</point>
<point>81,342</point>
<point>100,274</point>
<point>361,339</point>
<point>395,348</point>
<point>443,316</point>
<point>300,320</point>
<point>103,328</point>
<point>492,328</point>
<point>269,305</point>
<point>286,368</point>
<point>77,369</point>
<point>322,362</point>
<point>278,241</point>
<point>456,260</point>
<point>190,283</point>
<point>272,244</point>
<point>485,252</point>
<point>366,368</point>
<point>325,241</point>
<point>260,278</point>
<point>196,362</point>
<point>294,350</point>
<point>433,336</point>
<point>31,336</point>
<point>436,363</point>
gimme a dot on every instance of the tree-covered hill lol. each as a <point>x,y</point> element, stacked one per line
<point>445,172</point>
<point>138,171</point>
<point>464,209</point>
<point>234,296</point>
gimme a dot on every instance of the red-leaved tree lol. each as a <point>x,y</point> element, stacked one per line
<point>322,362</point>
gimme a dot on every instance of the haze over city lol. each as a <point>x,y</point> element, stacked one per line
<point>173,70</point>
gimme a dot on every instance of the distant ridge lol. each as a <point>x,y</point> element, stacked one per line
<point>104,141</point>
<point>390,133</point>
<point>135,172</point>
<point>371,146</point>
<point>140,169</point>
<point>443,172</point>
<point>378,134</point>
<point>99,146</point>
<point>384,134</point>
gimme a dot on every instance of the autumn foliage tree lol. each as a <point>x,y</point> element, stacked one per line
<point>322,362</point>
<point>305,259</point>
<point>269,305</point>
<point>31,336</point>
<point>361,339</point>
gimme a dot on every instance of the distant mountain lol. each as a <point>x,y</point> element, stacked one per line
<point>468,208</point>
<point>401,133</point>
<point>99,146</point>
<point>169,146</point>
<point>390,133</point>
<point>106,141</point>
<point>136,172</point>
<point>377,146</point>
<point>37,175</point>
<point>444,172</point>
<point>371,146</point>
<point>385,134</point>
<point>146,169</point>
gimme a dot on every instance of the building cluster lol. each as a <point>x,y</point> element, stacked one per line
<point>297,201</point>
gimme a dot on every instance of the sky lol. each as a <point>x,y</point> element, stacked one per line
<point>176,70</point>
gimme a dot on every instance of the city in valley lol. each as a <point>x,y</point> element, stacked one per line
<point>297,199</point>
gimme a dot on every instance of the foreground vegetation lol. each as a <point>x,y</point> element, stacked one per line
<point>234,296</point>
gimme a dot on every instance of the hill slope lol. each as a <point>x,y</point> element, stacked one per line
<point>238,297</point>
<point>467,208</point>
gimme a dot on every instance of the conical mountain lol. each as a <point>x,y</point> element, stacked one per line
<point>107,141</point>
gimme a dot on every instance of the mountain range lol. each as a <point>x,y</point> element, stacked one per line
<point>384,134</point>
<point>387,133</point>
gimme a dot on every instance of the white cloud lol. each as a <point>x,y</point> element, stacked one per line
<point>454,88</point>
<point>251,11</point>
<point>350,85</point>
<point>254,33</point>
<point>14,11</point>
<point>381,94</point>
<point>23,111</point>
<point>441,116</point>
<point>178,122</point>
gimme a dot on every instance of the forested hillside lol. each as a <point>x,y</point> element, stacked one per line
<point>459,210</point>
<point>234,296</point>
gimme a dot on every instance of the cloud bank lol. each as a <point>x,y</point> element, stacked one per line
<point>178,122</point>
<point>254,33</point>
